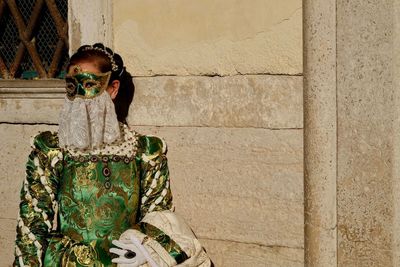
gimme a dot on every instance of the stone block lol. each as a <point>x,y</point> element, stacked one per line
<point>209,37</point>
<point>244,185</point>
<point>239,101</point>
<point>30,110</point>
<point>261,101</point>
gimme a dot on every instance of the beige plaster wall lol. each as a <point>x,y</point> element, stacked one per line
<point>209,37</point>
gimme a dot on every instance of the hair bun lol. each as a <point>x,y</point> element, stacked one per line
<point>99,45</point>
<point>83,47</point>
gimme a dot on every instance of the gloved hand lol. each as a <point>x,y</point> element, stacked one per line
<point>131,253</point>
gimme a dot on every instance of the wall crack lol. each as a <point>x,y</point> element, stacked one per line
<point>251,243</point>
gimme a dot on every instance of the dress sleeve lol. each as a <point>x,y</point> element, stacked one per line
<point>168,240</point>
<point>166,236</point>
<point>38,204</point>
<point>155,186</point>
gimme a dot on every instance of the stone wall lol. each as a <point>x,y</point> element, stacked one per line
<point>222,83</point>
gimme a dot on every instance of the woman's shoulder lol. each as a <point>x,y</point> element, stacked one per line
<point>45,141</point>
<point>151,144</point>
<point>131,141</point>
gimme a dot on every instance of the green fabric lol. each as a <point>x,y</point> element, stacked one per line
<point>45,149</point>
<point>152,148</point>
<point>91,212</point>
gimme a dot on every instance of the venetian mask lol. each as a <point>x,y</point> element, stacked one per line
<point>85,84</point>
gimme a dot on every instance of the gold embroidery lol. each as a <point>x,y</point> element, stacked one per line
<point>85,255</point>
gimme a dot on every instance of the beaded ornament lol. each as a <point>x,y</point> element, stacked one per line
<point>114,66</point>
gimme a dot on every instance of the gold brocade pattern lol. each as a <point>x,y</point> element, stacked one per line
<point>89,211</point>
<point>85,255</point>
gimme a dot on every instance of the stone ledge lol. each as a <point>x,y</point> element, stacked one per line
<point>16,89</point>
<point>259,101</point>
<point>264,101</point>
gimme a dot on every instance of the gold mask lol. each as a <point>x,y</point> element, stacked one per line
<point>85,84</point>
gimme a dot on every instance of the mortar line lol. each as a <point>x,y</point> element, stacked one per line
<point>219,75</point>
<point>170,126</point>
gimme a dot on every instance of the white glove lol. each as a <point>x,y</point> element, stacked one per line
<point>131,253</point>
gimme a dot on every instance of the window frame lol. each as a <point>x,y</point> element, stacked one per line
<point>30,101</point>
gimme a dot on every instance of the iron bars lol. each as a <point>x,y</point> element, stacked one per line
<point>33,38</point>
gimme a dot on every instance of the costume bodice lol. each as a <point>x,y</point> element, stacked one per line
<point>94,196</point>
<point>98,198</point>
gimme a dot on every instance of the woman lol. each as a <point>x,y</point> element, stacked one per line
<point>97,193</point>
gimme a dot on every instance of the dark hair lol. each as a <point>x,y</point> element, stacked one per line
<point>100,56</point>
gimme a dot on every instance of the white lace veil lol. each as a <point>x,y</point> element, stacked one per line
<point>88,123</point>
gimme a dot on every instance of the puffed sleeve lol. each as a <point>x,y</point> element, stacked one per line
<point>155,186</point>
<point>166,236</point>
<point>38,204</point>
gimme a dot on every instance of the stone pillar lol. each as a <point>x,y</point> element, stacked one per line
<point>320,163</point>
<point>352,123</point>
<point>89,22</point>
<point>396,129</point>
<point>366,112</point>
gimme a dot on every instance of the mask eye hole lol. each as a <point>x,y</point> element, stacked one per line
<point>90,84</point>
<point>70,86</point>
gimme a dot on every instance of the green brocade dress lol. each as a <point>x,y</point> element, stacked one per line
<point>74,204</point>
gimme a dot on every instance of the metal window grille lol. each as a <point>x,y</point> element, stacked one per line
<point>33,38</point>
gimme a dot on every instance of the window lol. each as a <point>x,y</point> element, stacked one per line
<point>33,39</point>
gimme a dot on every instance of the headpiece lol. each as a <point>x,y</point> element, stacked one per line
<point>114,65</point>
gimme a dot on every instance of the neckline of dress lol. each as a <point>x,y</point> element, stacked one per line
<point>126,146</point>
